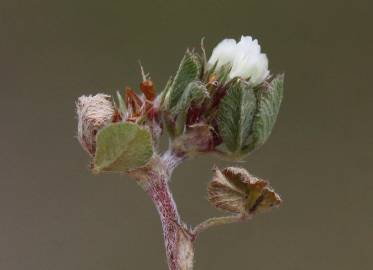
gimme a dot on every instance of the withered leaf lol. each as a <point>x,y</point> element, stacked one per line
<point>236,190</point>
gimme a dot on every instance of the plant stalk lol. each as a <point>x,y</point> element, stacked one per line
<point>178,239</point>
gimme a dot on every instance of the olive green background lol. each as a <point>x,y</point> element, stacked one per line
<point>55,215</point>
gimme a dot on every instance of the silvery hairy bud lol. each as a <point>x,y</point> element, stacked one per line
<point>94,113</point>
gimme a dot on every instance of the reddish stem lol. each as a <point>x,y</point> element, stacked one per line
<point>155,183</point>
<point>163,201</point>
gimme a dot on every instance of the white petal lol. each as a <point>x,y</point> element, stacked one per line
<point>245,58</point>
<point>249,62</point>
<point>223,53</point>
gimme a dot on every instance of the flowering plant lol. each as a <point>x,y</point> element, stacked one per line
<point>226,106</point>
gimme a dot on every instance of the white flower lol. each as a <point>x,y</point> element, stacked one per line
<point>244,58</point>
<point>223,53</point>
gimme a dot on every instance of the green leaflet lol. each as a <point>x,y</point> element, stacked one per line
<point>268,108</point>
<point>121,147</point>
<point>195,92</point>
<point>235,116</point>
<point>189,70</point>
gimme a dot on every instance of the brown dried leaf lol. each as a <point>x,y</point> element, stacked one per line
<point>235,190</point>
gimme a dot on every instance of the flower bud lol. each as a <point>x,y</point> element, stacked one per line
<point>244,59</point>
<point>94,113</point>
<point>235,190</point>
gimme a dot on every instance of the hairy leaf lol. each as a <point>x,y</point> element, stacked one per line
<point>189,70</point>
<point>235,115</point>
<point>195,92</point>
<point>268,107</point>
<point>121,147</point>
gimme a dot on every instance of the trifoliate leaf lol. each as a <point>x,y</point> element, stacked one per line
<point>268,107</point>
<point>121,147</point>
<point>235,115</point>
<point>236,190</point>
<point>189,70</point>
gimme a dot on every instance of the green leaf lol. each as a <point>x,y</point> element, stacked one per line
<point>235,116</point>
<point>189,70</point>
<point>195,92</point>
<point>268,108</point>
<point>121,147</point>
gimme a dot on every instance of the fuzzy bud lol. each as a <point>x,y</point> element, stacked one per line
<point>94,113</point>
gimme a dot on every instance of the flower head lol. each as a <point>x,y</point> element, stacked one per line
<point>243,58</point>
<point>94,113</point>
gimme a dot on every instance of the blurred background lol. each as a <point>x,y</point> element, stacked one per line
<point>55,215</point>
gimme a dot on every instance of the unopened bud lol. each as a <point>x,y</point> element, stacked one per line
<point>94,113</point>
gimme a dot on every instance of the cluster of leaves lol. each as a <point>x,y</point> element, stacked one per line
<point>201,110</point>
<point>240,116</point>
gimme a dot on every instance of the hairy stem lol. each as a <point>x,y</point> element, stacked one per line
<point>178,241</point>
<point>154,179</point>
